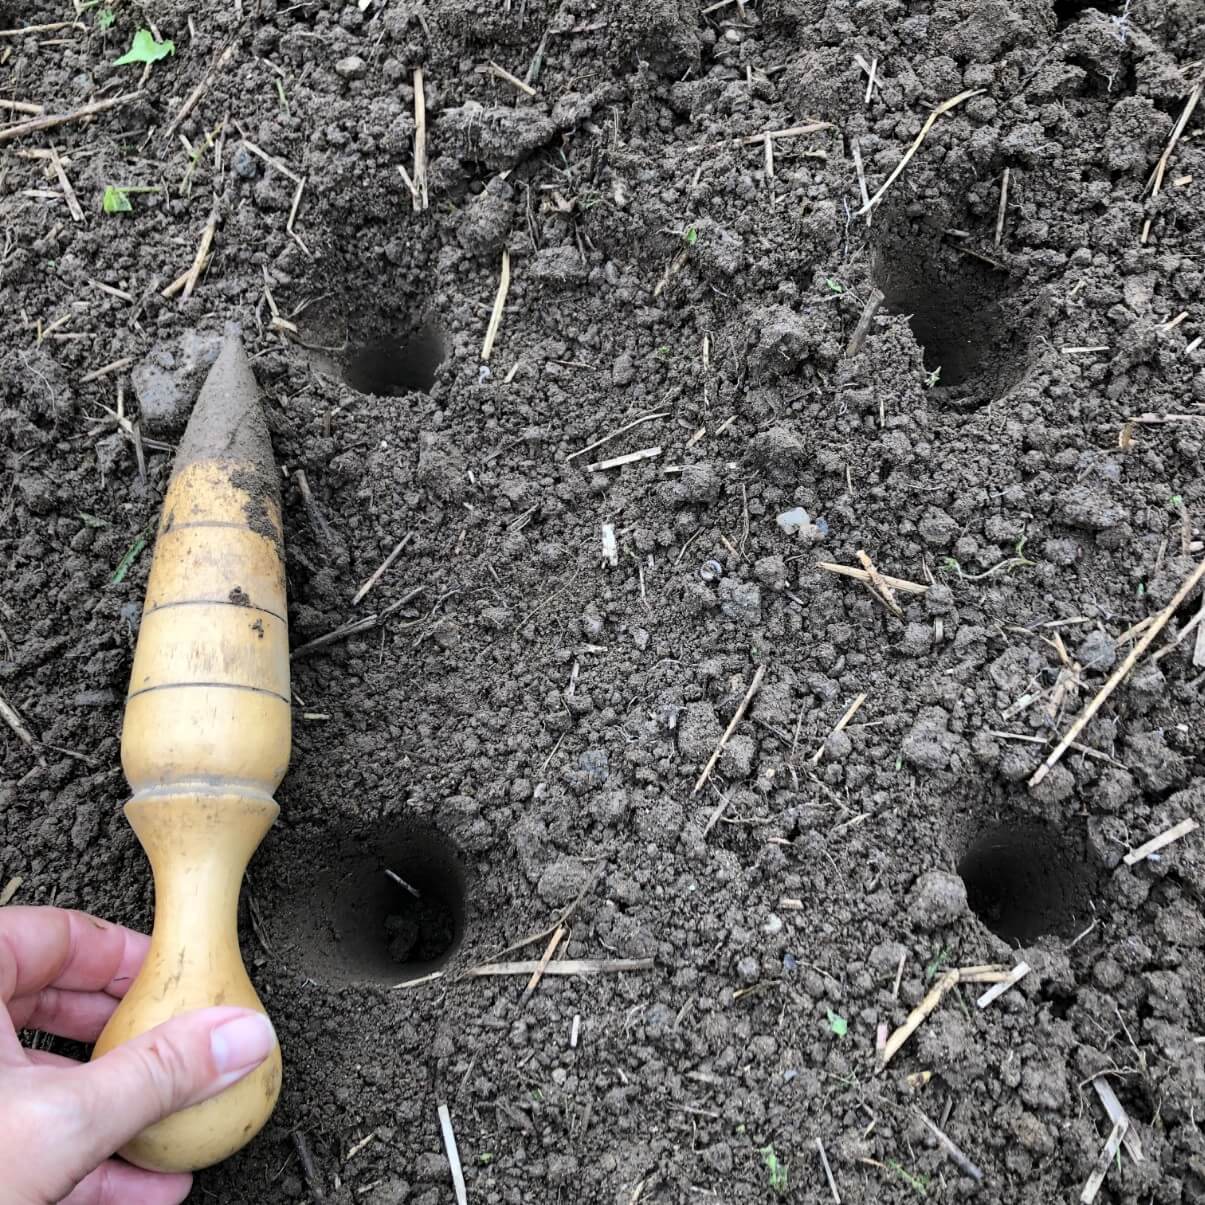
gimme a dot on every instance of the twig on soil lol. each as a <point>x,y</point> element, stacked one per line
<point>998,989</point>
<point>408,183</point>
<point>449,1137</point>
<point>930,121</point>
<point>73,205</point>
<point>1119,674</point>
<point>717,813</point>
<point>308,1170</point>
<point>12,718</point>
<point>566,913</point>
<point>21,106</point>
<point>575,1031</point>
<point>491,331</point>
<point>774,135</point>
<point>195,95</point>
<point>1107,1154</point>
<point>956,1155</point>
<point>850,712</point>
<point>514,81</point>
<point>420,146</point>
<point>648,418</point>
<point>1155,844</point>
<point>542,966</point>
<point>1114,1108</point>
<point>290,174</point>
<point>896,583</point>
<point>376,577</point>
<point>878,585</point>
<point>1003,206</point>
<point>50,120</point>
<point>732,726</point>
<point>567,966</point>
<point>865,322</point>
<point>628,458</point>
<point>355,626</point>
<point>198,263</point>
<point>172,289</point>
<point>10,889</point>
<point>1155,183</point>
<point>52,27</point>
<point>828,1172</point>
<point>918,1014</point>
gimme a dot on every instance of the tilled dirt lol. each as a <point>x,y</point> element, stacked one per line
<point>521,730</point>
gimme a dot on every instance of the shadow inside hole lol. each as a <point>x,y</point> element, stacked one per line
<point>395,365</point>
<point>956,310</point>
<point>1066,11</point>
<point>1026,880</point>
<point>385,909</point>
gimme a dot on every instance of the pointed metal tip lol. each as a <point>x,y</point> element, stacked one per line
<point>227,422</point>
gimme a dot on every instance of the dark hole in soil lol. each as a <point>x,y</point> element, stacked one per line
<point>387,909</point>
<point>1026,880</point>
<point>955,309</point>
<point>1066,11</point>
<point>396,364</point>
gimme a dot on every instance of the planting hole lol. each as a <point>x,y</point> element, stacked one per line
<point>395,365</point>
<point>956,309</point>
<point>387,909</point>
<point>1026,880</point>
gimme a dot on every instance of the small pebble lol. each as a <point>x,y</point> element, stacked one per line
<point>711,571</point>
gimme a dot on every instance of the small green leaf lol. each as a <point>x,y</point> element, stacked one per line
<point>132,554</point>
<point>92,520</point>
<point>835,285</point>
<point>837,1023</point>
<point>115,200</point>
<point>145,49</point>
<point>691,236</point>
<point>104,19</point>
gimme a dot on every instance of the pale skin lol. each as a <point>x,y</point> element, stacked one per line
<point>61,1121</point>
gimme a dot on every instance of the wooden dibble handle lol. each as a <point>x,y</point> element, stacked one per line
<point>205,743</point>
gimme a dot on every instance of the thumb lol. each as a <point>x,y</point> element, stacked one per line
<point>182,1062</point>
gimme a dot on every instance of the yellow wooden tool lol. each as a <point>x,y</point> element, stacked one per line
<point>206,742</point>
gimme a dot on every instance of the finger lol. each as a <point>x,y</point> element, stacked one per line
<point>47,1058</point>
<point>183,1061</point>
<point>117,1183</point>
<point>77,1015</point>
<point>54,947</point>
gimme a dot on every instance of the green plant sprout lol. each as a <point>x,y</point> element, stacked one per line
<point>777,1170</point>
<point>116,197</point>
<point>690,236</point>
<point>105,19</point>
<point>837,1023</point>
<point>933,377</point>
<point>145,48</point>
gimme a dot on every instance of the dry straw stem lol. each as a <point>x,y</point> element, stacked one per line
<point>566,966</point>
<point>376,577</point>
<point>930,121</point>
<point>1001,986</point>
<point>896,583</point>
<point>736,719</point>
<point>542,967</point>
<point>195,95</point>
<point>420,145</point>
<point>53,27</point>
<point>955,1153</point>
<point>50,120</point>
<point>1155,183</point>
<point>627,458</point>
<point>828,1172</point>
<point>501,73</point>
<point>918,1014</point>
<point>491,331</point>
<point>647,418</point>
<point>1155,844</point>
<point>198,263</point>
<point>1119,674</point>
<point>449,1137</point>
<point>850,712</point>
<point>1105,1160</point>
<point>880,587</point>
<point>1113,1107</point>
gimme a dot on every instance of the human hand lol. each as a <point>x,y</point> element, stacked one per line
<point>60,1121</point>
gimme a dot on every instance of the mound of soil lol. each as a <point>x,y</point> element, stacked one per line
<point>1019,433</point>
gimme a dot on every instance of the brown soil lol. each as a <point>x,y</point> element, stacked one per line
<point>529,727</point>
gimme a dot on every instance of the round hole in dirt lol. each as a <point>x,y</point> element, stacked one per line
<point>387,908</point>
<point>1027,879</point>
<point>959,310</point>
<point>395,364</point>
